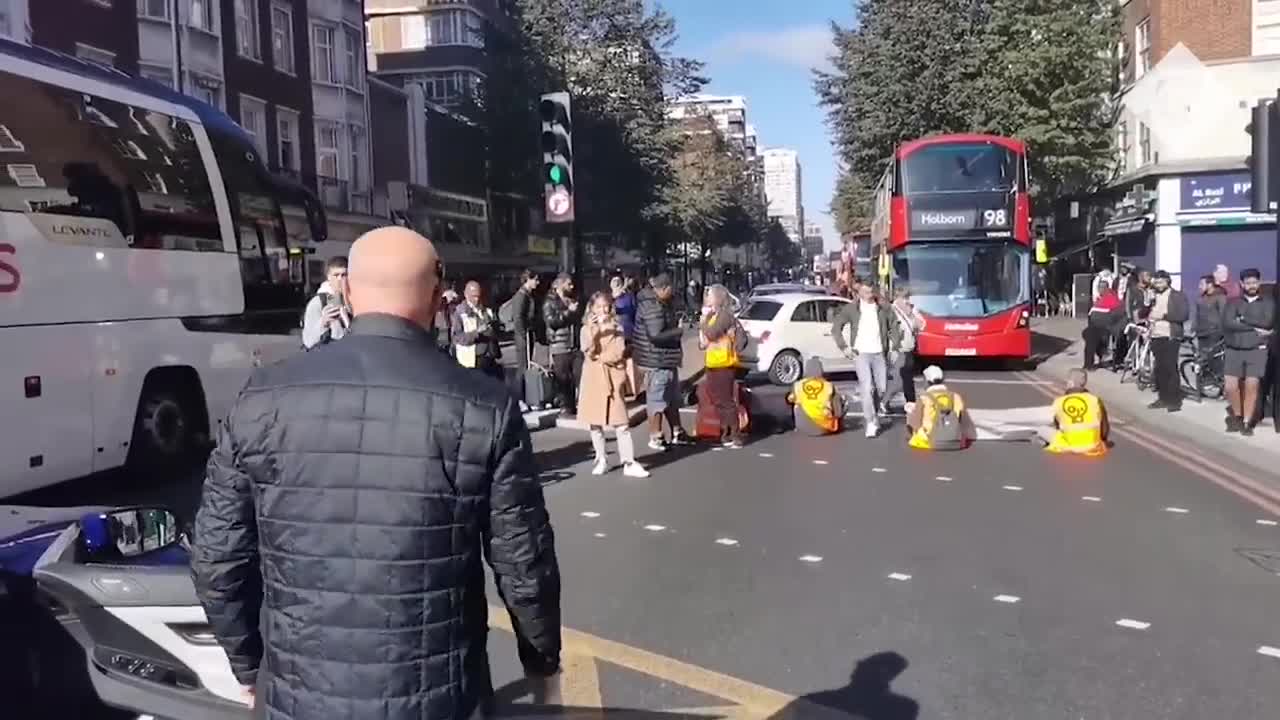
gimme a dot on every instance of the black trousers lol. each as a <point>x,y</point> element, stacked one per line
<point>1164,354</point>
<point>1095,341</point>
<point>567,368</point>
<point>907,374</point>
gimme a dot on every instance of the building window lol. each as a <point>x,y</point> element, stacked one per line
<point>154,9</point>
<point>206,90</point>
<point>354,73</point>
<point>282,37</point>
<point>1122,145</point>
<point>155,182</point>
<point>130,149</point>
<point>1144,142</point>
<point>448,88</point>
<point>327,148</point>
<point>202,13</point>
<point>159,74</point>
<point>95,55</point>
<point>9,143</point>
<point>322,69</point>
<point>248,44</point>
<point>1122,62</point>
<point>357,157</point>
<point>24,175</point>
<point>287,138</point>
<point>442,27</point>
<point>253,118</point>
<point>1142,43</point>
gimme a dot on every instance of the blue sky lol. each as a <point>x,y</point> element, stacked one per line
<point>766,50</point>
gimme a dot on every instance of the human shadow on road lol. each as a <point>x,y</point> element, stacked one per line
<point>866,697</point>
<point>554,464</point>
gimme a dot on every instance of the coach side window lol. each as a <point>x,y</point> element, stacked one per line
<point>75,154</point>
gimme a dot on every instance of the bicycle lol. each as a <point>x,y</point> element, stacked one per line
<point>1207,382</point>
<point>1138,361</point>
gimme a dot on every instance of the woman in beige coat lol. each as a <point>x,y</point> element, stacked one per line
<point>602,396</point>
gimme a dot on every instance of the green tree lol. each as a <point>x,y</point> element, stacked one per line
<point>1040,70</point>
<point>706,195</point>
<point>852,206</point>
<point>615,57</point>
<point>1051,64</point>
<point>783,253</point>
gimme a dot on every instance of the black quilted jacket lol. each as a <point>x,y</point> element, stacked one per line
<point>658,339</point>
<point>339,539</point>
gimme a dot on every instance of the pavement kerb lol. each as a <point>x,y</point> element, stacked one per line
<point>1178,435</point>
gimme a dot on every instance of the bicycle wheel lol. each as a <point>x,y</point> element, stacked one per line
<point>1189,371</point>
<point>1146,369</point>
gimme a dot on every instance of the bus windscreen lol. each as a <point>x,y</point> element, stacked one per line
<point>959,168</point>
<point>964,280</point>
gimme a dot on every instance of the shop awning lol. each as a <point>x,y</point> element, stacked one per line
<point>1224,219</point>
<point>1128,226</point>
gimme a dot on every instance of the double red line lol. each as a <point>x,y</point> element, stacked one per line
<point>1260,495</point>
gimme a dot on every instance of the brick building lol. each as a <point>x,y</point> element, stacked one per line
<point>1190,72</point>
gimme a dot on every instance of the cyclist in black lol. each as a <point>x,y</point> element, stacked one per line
<point>1207,325</point>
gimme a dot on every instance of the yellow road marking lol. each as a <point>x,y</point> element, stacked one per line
<point>757,700</point>
<point>580,682</point>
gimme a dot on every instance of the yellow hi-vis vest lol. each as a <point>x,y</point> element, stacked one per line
<point>930,436</point>
<point>1079,417</point>
<point>722,353</point>
<point>813,395</point>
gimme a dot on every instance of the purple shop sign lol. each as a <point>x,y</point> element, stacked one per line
<point>1216,193</point>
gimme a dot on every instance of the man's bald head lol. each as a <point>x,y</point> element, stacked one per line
<point>394,270</point>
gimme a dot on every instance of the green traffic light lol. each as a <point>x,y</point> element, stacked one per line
<point>556,174</point>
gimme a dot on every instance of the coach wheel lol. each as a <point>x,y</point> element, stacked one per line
<point>786,368</point>
<point>163,434</point>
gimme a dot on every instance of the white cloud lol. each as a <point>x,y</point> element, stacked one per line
<point>805,46</point>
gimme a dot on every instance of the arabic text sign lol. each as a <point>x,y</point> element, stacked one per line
<point>1216,193</point>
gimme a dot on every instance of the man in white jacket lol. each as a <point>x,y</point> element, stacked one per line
<point>327,315</point>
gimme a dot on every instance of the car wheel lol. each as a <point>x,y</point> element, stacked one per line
<point>163,433</point>
<point>786,368</point>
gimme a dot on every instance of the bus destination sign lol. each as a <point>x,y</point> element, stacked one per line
<point>959,219</point>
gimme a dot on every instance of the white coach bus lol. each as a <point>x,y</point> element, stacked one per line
<point>144,269</point>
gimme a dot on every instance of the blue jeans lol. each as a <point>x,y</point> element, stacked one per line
<point>872,372</point>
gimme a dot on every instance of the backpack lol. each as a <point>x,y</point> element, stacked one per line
<point>507,312</point>
<point>947,432</point>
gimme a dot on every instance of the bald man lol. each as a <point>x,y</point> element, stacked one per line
<point>346,509</point>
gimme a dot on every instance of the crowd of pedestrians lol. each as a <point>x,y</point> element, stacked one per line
<point>1227,326</point>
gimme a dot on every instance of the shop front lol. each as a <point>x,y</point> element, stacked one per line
<point>1131,230</point>
<point>1217,227</point>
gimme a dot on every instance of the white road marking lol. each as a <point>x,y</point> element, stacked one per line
<point>589,514</point>
<point>766,455</point>
<point>811,558</point>
<point>717,449</point>
<point>655,528</point>
<point>1133,624</point>
<point>601,535</point>
<point>1269,651</point>
<point>878,469</point>
<point>821,462</point>
<point>943,478</point>
<point>1014,488</point>
<point>1271,523</point>
<point>726,541</point>
<point>899,576</point>
<point>1091,498</point>
<point>1181,511</point>
<point>1006,598</point>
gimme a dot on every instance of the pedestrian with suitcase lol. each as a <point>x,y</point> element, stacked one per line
<point>722,338</point>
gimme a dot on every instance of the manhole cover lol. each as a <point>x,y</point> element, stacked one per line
<point>1268,560</point>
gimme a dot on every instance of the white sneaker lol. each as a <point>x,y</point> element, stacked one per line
<point>602,467</point>
<point>908,407</point>
<point>635,470</point>
<point>656,444</point>
<point>873,429</point>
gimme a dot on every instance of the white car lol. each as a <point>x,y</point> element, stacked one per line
<point>786,330</point>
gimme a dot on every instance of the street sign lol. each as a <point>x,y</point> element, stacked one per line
<point>559,205</point>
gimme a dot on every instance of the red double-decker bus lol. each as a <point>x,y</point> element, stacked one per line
<point>952,223</point>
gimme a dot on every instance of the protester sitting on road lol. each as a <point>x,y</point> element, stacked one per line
<point>939,420</point>
<point>349,507</point>
<point>722,338</point>
<point>1080,425</point>
<point>602,398</point>
<point>818,406</point>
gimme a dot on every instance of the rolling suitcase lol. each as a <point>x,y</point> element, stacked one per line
<point>539,388</point>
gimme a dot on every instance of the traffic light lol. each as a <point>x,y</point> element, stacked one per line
<point>557,157</point>
<point>1262,165</point>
